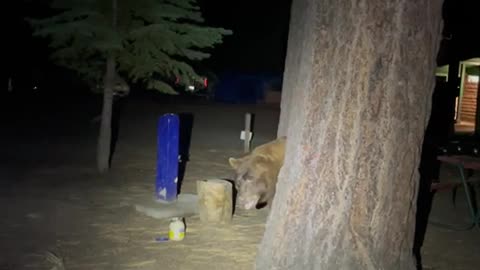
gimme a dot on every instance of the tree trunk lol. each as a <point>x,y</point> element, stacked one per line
<point>360,76</point>
<point>105,135</point>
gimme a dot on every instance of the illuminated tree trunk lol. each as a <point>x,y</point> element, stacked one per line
<point>105,134</point>
<point>358,85</point>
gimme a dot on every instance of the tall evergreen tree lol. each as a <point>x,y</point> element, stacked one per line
<point>149,41</point>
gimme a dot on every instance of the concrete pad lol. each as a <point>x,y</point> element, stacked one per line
<point>186,205</point>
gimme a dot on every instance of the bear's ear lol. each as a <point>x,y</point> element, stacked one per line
<point>234,162</point>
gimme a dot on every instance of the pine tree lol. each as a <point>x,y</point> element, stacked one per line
<point>149,41</point>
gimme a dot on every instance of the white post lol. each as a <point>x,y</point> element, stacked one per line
<point>246,142</point>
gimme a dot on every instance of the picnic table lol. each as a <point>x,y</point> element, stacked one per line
<point>462,163</point>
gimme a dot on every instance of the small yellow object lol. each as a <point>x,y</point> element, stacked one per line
<point>176,229</point>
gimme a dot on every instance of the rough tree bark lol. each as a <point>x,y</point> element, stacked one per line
<point>358,85</point>
<point>105,134</point>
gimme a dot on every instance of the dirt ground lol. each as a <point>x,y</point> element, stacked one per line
<point>54,202</point>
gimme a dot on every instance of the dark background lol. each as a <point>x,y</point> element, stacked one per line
<point>257,45</point>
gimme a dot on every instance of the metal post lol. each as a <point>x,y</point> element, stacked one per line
<point>246,142</point>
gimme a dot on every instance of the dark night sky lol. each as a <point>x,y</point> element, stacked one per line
<point>461,22</point>
<point>258,43</point>
<point>260,32</point>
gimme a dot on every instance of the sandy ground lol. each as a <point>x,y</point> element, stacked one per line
<point>54,202</point>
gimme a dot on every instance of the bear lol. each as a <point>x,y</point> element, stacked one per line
<point>256,174</point>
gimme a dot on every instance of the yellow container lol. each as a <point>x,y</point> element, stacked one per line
<point>176,230</point>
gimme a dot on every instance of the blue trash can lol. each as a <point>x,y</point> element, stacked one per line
<point>167,158</point>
